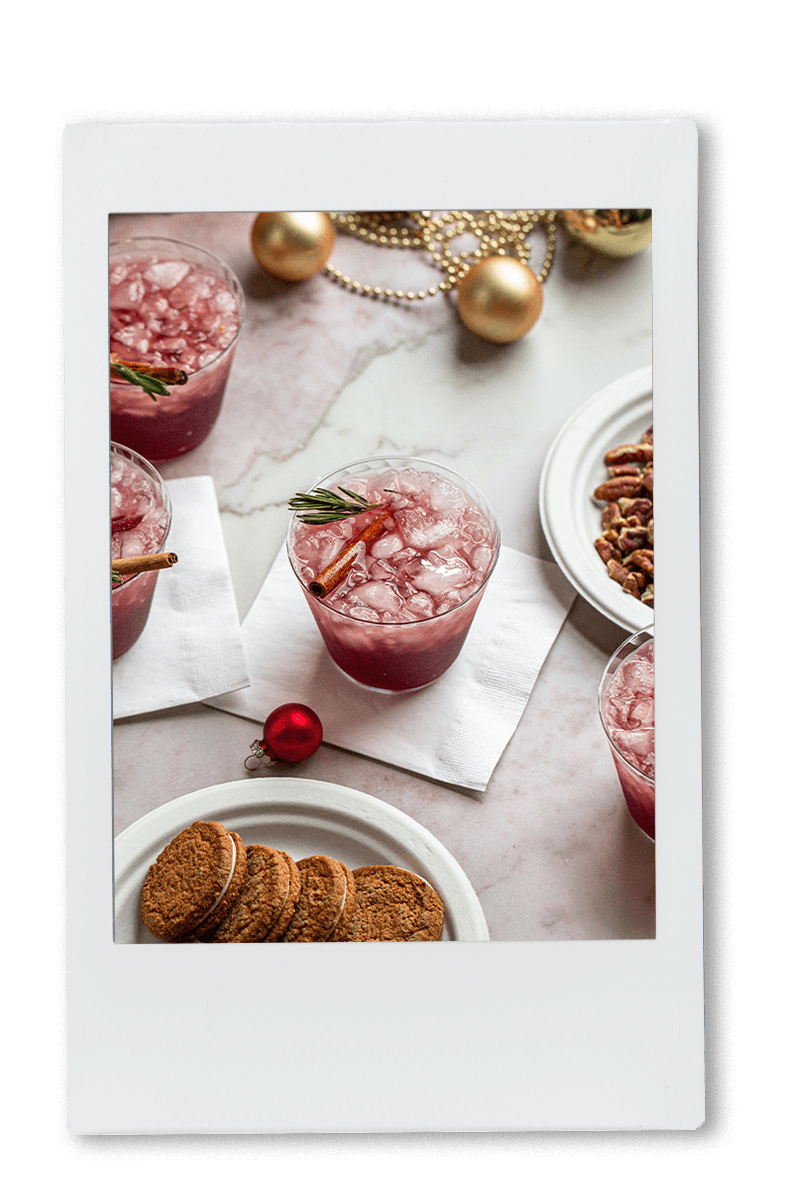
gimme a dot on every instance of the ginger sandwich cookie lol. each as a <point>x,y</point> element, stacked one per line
<point>394,905</point>
<point>261,900</point>
<point>194,882</point>
<point>324,891</point>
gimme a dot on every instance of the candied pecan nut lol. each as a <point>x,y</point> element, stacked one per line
<point>625,545</point>
<point>641,453</point>
<point>632,539</point>
<point>628,468</point>
<point>612,516</point>
<point>617,571</point>
<point>633,584</point>
<point>604,549</point>
<point>636,506</point>
<point>643,559</point>
<point>613,489</point>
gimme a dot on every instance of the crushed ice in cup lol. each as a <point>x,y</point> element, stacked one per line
<point>133,495</point>
<point>165,275</point>
<point>629,709</point>
<point>424,531</point>
<point>424,563</point>
<point>437,578</point>
<point>155,299</point>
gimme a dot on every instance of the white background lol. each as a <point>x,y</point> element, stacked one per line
<point>518,1037</point>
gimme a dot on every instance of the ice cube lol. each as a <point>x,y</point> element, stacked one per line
<point>446,497</point>
<point>637,675</point>
<point>437,578</point>
<point>387,545</point>
<point>419,606</point>
<point>361,613</point>
<point>481,557</point>
<point>642,713</point>
<point>376,595</point>
<point>411,482</point>
<point>127,294</point>
<point>423,531</point>
<point>636,744</point>
<point>173,346</point>
<point>132,543</point>
<point>165,275</point>
<point>450,600</point>
<point>225,302</point>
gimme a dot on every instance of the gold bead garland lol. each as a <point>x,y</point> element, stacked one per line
<point>499,297</point>
<point>498,233</point>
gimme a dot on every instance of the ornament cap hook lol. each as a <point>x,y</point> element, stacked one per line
<point>259,755</point>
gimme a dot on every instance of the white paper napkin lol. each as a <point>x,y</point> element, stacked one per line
<point>191,645</point>
<point>456,729</point>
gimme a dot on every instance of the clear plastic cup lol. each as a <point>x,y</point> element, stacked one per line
<point>391,654</point>
<point>626,703</point>
<point>140,487</point>
<point>192,327</point>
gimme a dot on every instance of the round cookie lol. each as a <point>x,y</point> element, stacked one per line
<point>320,902</point>
<point>340,931</point>
<point>393,905</point>
<point>289,907</point>
<point>260,901</point>
<point>195,880</point>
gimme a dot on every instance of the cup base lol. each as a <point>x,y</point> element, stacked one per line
<point>366,687</point>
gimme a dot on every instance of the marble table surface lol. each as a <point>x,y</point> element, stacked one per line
<point>323,376</point>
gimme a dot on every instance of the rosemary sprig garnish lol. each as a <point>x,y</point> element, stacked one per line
<point>321,506</point>
<point>153,387</point>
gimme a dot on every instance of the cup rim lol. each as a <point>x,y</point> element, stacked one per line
<point>241,299</point>
<point>425,462</point>
<point>645,635</point>
<point>127,452</point>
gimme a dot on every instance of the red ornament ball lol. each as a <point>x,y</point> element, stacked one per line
<point>292,733</point>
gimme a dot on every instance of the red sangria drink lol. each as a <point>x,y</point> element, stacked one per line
<point>394,584</point>
<point>172,305</point>
<point>140,515</point>
<point>627,710</point>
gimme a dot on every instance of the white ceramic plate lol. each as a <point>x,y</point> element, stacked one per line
<point>573,468</point>
<point>302,817</point>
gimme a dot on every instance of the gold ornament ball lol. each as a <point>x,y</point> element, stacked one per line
<point>616,232</point>
<point>292,245</point>
<point>499,299</point>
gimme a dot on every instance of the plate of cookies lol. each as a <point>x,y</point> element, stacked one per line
<point>288,860</point>
<point>596,501</point>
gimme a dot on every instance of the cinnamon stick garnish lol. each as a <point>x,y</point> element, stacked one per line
<point>144,562</point>
<point>338,568</point>
<point>171,375</point>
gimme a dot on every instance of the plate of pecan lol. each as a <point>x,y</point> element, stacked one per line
<point>596,501</point>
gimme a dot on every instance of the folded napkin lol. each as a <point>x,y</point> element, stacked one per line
<point>456,729</point>
<point>191,646</point>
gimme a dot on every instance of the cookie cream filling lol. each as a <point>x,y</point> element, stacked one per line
<point>221,895</point>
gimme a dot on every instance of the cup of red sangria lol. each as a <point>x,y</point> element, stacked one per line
<point>393,556</point>
<point>176,312</point>
<point>626,703</point>
<point>140,514</point>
